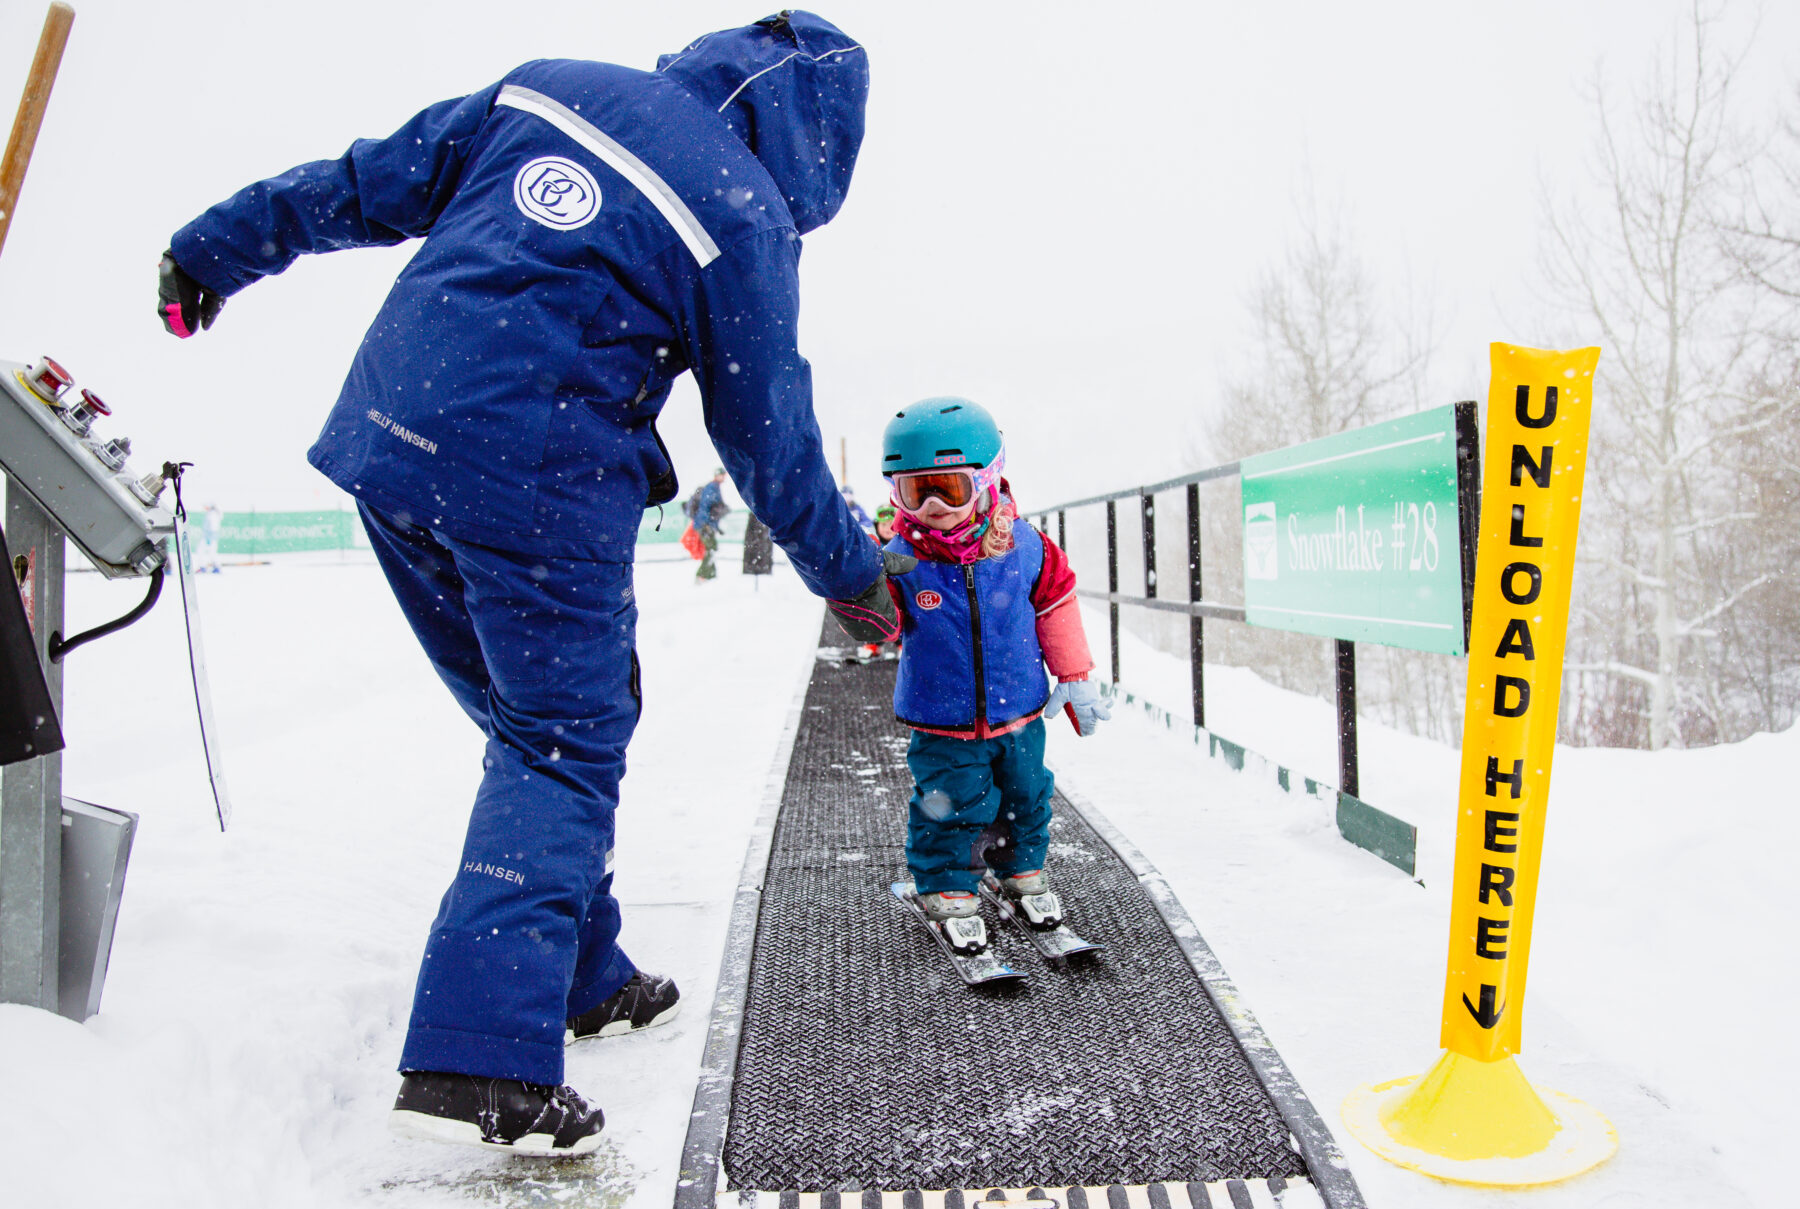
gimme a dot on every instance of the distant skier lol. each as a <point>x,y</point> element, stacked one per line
<point>856,509</point>
<point>591,232</point>
<point>706,508</point>
<point>884,533</point>
<point>990,604</point>
<point>211,519</point>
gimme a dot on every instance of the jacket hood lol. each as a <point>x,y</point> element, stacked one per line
<point>794,87</point>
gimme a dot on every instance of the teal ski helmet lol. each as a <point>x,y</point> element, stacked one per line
<point>935,434</point>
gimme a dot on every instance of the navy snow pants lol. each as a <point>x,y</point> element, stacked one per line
<point>539,652</point>
<point>977,803</point>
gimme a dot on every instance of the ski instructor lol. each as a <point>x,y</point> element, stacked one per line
<point>590,233</point>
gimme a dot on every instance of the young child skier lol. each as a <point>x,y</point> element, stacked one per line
<point>990,604</point>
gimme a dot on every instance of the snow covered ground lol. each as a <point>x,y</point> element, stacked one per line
<point>261,979</point>
<point>1659,987</point>
<point>260,983</point>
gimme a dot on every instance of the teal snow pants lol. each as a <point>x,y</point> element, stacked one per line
<point>976,804</point>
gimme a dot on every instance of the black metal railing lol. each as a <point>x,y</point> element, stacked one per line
<point>1196,606</point>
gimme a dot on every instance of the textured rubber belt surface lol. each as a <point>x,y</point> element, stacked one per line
<point>866,1064</point>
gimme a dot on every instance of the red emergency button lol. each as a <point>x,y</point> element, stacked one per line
<point>94,403</point>
<point>48,380</point>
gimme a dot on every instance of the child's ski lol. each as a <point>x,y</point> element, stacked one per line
<point>977,970</point>
<point>1056,944</point>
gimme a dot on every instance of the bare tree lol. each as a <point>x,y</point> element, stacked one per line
<point>1673,308</point>
<point>1329,353</point>
<point>1763,233</point>
<point>1327,359</point>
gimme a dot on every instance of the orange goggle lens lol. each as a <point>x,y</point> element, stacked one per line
<point>954,487</point>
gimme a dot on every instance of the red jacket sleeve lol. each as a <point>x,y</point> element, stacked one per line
<point>1059,628</point>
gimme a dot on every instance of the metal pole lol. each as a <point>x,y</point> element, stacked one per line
<point>1062,531</point>
<point>1112,581</point>
<point>1196,625</point>
<point>31,790</point>
<point>1148,505</point>
<point>1346,705</point>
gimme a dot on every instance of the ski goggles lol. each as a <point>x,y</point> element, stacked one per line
<point>954,487</point>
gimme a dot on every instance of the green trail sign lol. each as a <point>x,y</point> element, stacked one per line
<point>1367,535</point>
<point>284,532</point>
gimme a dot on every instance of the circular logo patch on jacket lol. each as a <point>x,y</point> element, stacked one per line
<point>557,192</point>
<point>928,599</point>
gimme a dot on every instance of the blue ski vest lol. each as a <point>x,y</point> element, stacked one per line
<point>970,647</point>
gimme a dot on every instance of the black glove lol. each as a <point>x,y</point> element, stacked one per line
<point>871,616</point>
<point>184,305</point>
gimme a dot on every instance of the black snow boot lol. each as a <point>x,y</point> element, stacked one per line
<point>504,1114</point>
<point>644,1002</point>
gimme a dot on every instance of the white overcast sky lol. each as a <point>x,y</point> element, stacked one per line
<point>1058,211</point>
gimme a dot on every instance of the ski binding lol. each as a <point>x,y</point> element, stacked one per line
<point>977,969</point>
<point>1056,944</point>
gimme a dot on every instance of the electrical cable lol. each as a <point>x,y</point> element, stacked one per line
<point>60,648</point>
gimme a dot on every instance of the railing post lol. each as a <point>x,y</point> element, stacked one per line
<point>1148,505</point>
<point>1062,530</point>
<point>1112,581</point>
<point>1196,624</point>
<point>1346,705</point>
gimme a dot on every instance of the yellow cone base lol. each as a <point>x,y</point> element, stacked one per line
<point>1483,1123</point>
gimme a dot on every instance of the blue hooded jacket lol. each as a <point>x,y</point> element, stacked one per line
<point>590,233</point>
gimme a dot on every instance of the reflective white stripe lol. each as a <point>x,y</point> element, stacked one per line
<point>788,59</point>
<point>616,157</point>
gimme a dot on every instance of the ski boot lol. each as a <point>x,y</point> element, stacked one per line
<point>957,914</point>
<point>499,1114</point>
<point>1039,905</point>
<point>646,1001</point>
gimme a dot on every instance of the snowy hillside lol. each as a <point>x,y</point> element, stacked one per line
<point>261,979</point>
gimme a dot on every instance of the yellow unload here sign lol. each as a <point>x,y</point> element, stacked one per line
<point>1539,406</point>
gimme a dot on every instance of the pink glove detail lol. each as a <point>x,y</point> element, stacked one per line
<point>172,317</point>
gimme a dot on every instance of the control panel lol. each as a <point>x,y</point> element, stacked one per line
<point>50,446</point>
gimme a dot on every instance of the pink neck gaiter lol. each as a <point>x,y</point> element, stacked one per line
<point>961,545</point>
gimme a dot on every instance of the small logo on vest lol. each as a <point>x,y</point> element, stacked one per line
<point>928,599</point>
<point>557,192</point>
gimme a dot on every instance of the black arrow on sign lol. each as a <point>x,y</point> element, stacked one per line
<point>1487,1015</point>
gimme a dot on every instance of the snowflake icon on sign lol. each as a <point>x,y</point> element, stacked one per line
<point>557,192</point>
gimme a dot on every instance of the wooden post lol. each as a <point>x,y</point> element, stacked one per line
<point>31,110</point>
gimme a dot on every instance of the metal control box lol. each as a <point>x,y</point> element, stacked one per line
<point>81,481</point>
